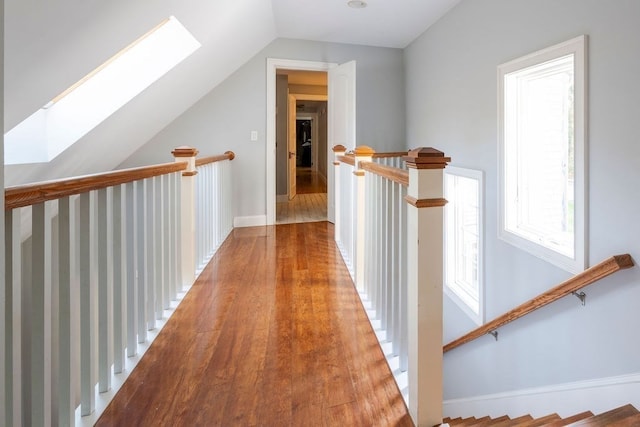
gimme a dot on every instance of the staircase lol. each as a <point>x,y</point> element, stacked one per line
<point>623,416</point>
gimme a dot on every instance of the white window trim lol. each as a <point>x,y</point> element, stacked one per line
<point>577,47</point>
<point>478,317</point>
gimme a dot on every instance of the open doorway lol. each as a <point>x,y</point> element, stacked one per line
<point>341,120</point>
<point>301,146</point>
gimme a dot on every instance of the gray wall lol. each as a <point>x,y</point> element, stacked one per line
<point>223,119</point>
<point>451,105</point>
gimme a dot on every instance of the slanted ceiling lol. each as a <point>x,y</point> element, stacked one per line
<point>51,45</point>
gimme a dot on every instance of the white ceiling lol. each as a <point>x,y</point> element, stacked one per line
<point>386,23</point>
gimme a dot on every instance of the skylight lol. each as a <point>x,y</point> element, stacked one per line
<point>72,114</point>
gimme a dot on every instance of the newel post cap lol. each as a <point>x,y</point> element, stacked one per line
<point>363,151</point>
<point>339,148</point>
<point>184,151</point>
<point>426,158</point>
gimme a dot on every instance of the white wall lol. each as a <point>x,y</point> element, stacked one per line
<point>451,105</point>
<point>223,119</point>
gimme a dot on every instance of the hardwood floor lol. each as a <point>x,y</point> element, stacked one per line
<point>310,203</point>
<point>309,181</point>
<point>303,208</point>
<point>271,334</point>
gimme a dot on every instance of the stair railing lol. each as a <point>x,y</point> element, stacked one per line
<point>94,267</point>
<point>386,219</point>
<point>568,287</point>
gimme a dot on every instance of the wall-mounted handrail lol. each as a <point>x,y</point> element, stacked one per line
<point>39,192</point>
<point>577,282</point>
<point>213,159</point>
<point>399,176</point>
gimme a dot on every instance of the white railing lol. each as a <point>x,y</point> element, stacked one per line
<point>93,271</point>
<point>395,221</point>
<point>393,159</point>
<point>386,277</point>
<point>345,227</point>
<point>214,211</point>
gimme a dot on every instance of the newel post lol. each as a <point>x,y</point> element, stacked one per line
<point>425,277</point>
<point>188,212</point>
<point>338,151</point>
<point>362,153</point>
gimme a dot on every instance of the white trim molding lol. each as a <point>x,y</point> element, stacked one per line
<point>249,221</point>
<point>597,396</point>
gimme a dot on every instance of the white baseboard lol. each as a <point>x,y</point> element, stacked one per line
<point>597,396</point>
<point>250,221</point>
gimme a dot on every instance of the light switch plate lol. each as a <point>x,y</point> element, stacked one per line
<point>254,135</point>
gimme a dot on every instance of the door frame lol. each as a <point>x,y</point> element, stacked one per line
<point>273,64</point>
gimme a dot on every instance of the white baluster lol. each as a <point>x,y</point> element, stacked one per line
<point>141,256</point>
<point>131,257</point>
<point>87,322</point>
<point>166,242</point>
<point>158,282</point>
<point>66,373</point>
<point>150,249</point>
<point>12,318</point>
<point>119,318</point>
<point>104,327</point>
<point>41,316</point>
<point>402,280</point>
<point>179,284</point>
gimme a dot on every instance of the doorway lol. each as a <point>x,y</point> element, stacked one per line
<point>340,120</point>
<point>301,146</point>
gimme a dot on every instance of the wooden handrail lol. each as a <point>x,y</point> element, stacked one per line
<point>349,159</point>
<point>212,159</point>
<point>399,176</point>
<point>390,154</point>
<point>30,194</point>
<point>579,281</point>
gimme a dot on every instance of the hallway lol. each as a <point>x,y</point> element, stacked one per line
<point>271,334</point>
<point>310,202</point>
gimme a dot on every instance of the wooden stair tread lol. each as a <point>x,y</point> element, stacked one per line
<point>481,422</point>
<point>571,419</point>
<point>632,420</point>
<point>513,422</point>
<point>542,421</point>
<point>609,417</point>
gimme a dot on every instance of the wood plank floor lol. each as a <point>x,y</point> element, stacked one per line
<point>309,181</point>
<point>303,208</point>
<point>271,334</point>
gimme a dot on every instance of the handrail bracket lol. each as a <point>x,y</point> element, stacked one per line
<point>494,334</point>
<point>581,296</point>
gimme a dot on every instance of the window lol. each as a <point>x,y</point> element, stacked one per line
<point>463,240</point>
<point>76,111</point>
<point>541,100</point>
